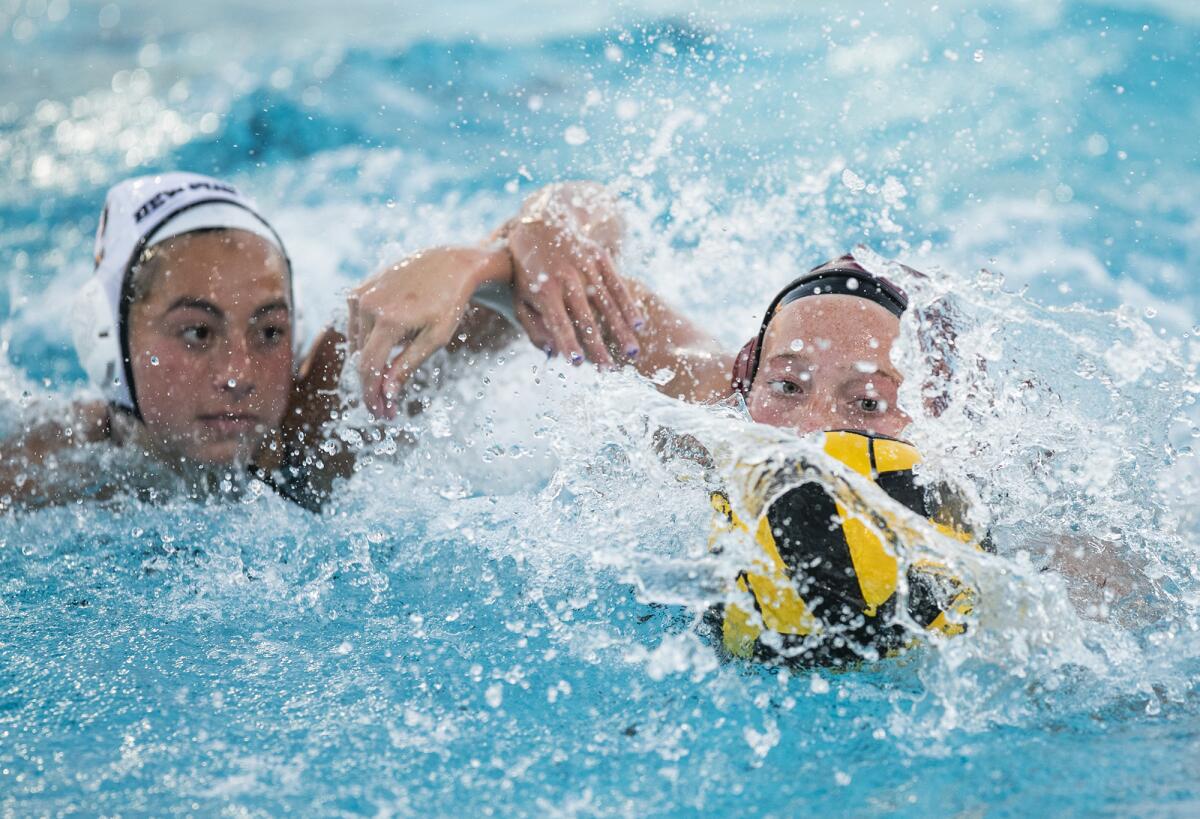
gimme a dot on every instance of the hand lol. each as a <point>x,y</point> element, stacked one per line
<point>415,305</point>
<point>567,294</point>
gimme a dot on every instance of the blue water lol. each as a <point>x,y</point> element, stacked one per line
<point>505,619</point>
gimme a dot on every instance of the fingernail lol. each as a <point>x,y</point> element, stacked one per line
<point>576,359</point>
<point>631,351</point>
<point>549,351</point>
<point>639,324</point>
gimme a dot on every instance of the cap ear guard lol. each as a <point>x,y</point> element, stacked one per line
<point>744,366</point>
<point>97,341</point>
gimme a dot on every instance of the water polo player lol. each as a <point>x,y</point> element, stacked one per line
<point>820,360</point>
<point>187,329</point>
<point>825,587</point>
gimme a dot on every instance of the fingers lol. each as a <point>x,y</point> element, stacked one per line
<point>361,322</point>
<point>372,363</point>
<point>403,366</point>
<point>619,290</point>
<point>352,307</point>
<point>612,316</point>
<point>560,327</point>
<point>582,302</point>
<point>366,326</point>
<point>535,327</point>
<point>585,325</point>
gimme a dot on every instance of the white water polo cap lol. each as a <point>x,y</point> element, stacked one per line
<point>138,214</point>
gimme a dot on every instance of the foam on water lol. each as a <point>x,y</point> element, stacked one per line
<point>507,615</point>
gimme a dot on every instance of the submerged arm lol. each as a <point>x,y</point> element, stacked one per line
<point>28,470</point>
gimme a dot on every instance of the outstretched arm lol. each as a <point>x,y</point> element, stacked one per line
<point>559,260</point>
<point>681,359</point>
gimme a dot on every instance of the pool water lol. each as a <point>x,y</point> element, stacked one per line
<point>507,617</point>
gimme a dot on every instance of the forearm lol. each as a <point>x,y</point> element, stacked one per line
<point>487,323</point>
<point>681,359</point>
<point>460,270</point>
<point>586,209</point>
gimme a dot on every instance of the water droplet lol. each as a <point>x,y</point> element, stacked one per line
<point>851,284</point>
<point>797,345</point>
<point>866,367</point>
<point>110,15</point>
<point>977,56</point>
<point>989,280</point>
<point>852,180</point>
<point>1096,145</point>
<point>231,383</point>
<point>575,135</point>
<point>494,695</point>
<point>1150,312</point>
<point>153,361</point>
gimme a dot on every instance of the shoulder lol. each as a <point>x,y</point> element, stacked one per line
<point>307,471</point>
<point>315,397</point>
<point>84,423</point>
<point>324,361</point>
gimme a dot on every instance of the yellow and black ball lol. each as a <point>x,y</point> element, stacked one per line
<point>825,583</point>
